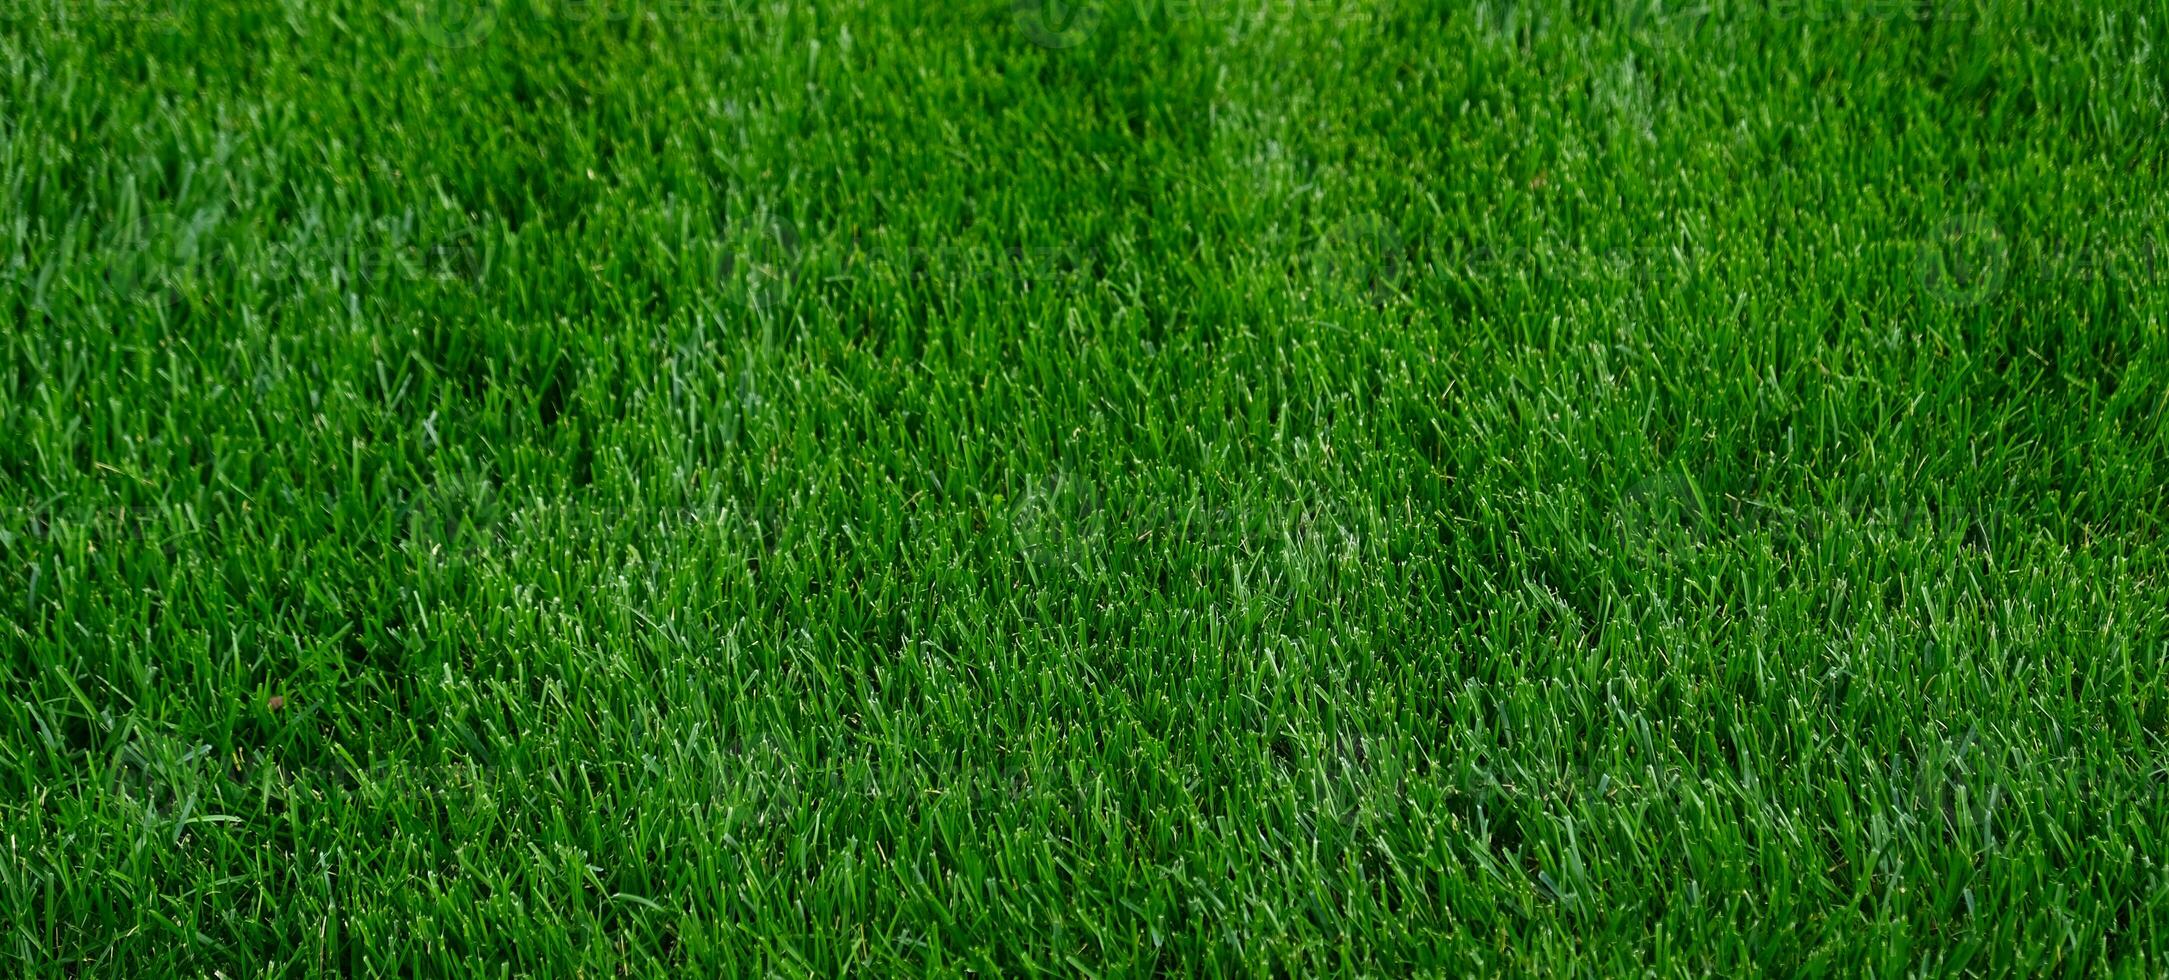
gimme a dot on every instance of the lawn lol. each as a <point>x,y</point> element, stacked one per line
<point>1269,487</point>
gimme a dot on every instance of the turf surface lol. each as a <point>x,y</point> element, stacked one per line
<point>1302,486</point>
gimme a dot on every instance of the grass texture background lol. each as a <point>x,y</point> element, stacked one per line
<point>1297,487</point>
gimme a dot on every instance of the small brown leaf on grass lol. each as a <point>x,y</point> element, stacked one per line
<point>277,701</point>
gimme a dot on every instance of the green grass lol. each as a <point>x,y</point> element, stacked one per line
<point>1318,487</point>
